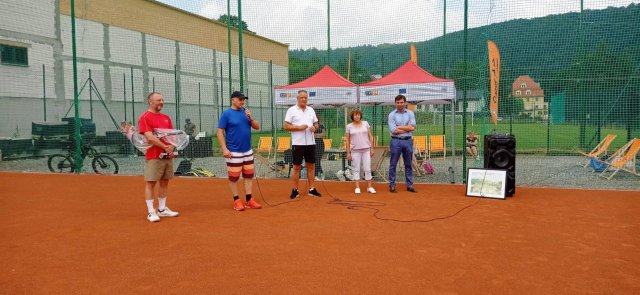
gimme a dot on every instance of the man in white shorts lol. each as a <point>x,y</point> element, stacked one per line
<point>234,136</point>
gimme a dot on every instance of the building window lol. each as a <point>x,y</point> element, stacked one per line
<point>528,92</point>
<point>523,85</point>
<point>518,92</point>
<point>16,56</point>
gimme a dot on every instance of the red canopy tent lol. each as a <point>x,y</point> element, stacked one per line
<point>410,80</point>
<point>325,88</point>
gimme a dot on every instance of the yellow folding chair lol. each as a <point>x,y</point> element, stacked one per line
<point>437,144</point>
<point>327,143</point>
<point>283,144</point>
<point>599,150</point>
<point>623,159</point>
<point>327,146</point>
<point>265,145</point>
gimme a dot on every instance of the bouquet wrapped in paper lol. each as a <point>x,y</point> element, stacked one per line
<point>177,138</point>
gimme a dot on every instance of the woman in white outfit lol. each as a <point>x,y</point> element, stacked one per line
<point>359,149</point>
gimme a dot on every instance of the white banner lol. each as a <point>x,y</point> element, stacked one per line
<point>318,96</point>
<point>416,93</point>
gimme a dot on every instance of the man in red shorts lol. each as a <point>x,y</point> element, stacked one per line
<point>158,165</point>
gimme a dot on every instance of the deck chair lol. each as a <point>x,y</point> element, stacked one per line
<point>264,146</point>
<point>376,162</point>
<point>343,146</point>
<point>283,144</point>
<point>420,144</point>
<point>416,164</point>
<point>343,143</point>
<point>599,150</point>
<point>262,162</point>
<point>623,159</point>
<point>437,144</point>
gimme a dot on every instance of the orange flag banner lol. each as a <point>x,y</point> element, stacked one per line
<point>494,74</point>
<point>414,54</point>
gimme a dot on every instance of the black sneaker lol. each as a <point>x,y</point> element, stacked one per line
<point>294,194</point>
<point>314,193</point>
<point>411,189</point>
<point>392,189</point>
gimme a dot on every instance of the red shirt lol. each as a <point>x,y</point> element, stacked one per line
<point>149,121</point>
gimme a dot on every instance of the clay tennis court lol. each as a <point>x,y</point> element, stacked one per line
<point>88,234</point>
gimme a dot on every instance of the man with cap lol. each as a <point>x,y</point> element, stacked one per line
<point>234,136</point>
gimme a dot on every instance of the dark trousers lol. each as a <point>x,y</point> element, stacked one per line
<point>404,148</point>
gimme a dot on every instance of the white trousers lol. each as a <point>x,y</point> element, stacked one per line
<point>361,158</point>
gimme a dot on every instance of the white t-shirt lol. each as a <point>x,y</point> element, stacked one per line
<point>296,116</point>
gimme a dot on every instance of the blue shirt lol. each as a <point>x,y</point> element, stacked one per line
<point>237,128</point>
<point>403,118</point>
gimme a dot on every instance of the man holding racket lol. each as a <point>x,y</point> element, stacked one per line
<point>234,136</point>
<point>158,166</point>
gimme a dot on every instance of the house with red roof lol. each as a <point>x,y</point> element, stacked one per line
<point>532,95</point>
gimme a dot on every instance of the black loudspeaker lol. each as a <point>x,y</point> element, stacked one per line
<point>500,153</point>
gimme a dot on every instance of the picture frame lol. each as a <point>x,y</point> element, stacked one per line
<point>486,183</point>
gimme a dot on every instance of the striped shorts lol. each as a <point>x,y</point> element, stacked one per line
<point>240,163</point>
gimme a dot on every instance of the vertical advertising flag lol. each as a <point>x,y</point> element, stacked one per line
<point>494,74</point>
<point>414,54</point>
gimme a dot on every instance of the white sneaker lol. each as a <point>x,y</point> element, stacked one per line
<point>167,213</point>
<point>357,190</point>
<point>371,190</point>
<point>318,178</point>
<point>153,217</point>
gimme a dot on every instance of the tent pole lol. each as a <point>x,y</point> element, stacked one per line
<point>452,171</point>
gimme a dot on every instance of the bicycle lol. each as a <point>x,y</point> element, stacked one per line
<point>102,164</point>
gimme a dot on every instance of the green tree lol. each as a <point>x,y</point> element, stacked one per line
<point>601,92</point>
<point>300,69</point>
<point>358,74</point>
<point>235,22</point>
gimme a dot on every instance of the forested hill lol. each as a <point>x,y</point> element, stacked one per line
<point>537,47</point>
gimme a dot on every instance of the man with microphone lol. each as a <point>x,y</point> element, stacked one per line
<point>302,122</point>
<point>234,136</point>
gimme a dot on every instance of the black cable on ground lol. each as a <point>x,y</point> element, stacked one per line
<point>370,205</point>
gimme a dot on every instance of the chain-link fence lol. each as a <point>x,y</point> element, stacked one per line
<point>569,80</point>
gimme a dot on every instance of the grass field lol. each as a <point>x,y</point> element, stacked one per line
<point>531,137</point>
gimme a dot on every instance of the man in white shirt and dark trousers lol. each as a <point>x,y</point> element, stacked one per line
<point>302,122</point>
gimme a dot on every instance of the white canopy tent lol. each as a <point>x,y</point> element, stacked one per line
<point>410,80</point>
<point>326,88</point>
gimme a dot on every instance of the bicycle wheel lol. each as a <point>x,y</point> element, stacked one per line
<point>59,163</point>
<point>103,164</point>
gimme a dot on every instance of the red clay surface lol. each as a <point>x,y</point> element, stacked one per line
<point>88,234</point>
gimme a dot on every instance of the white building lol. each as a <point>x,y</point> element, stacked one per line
<point>155,43</point>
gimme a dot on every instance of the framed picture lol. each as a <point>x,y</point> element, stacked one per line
<point>486,183</point>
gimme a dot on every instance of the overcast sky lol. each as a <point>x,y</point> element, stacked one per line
<point>303,23</point>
